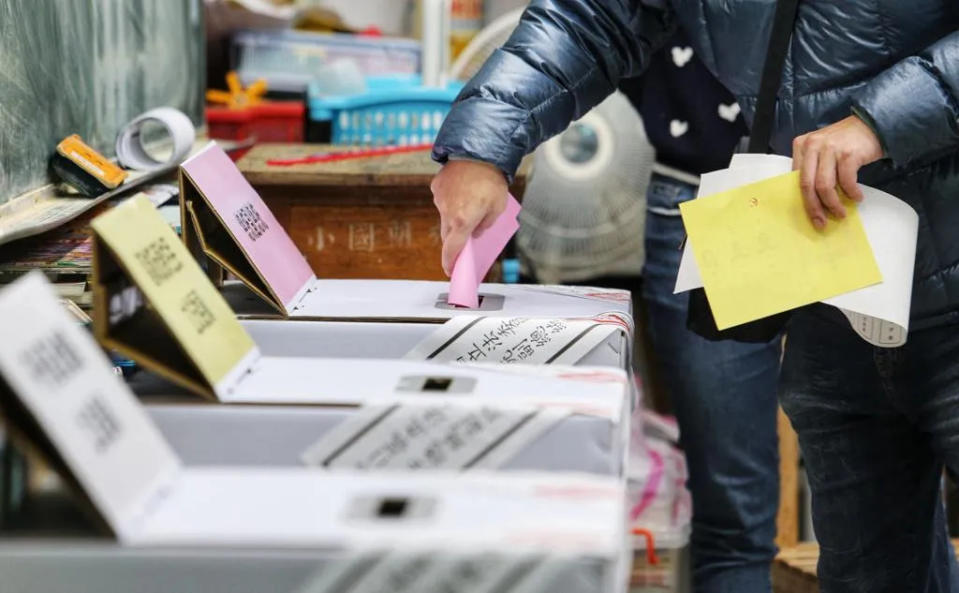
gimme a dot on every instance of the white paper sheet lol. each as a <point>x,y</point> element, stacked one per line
<point>878,313</point>
<point>432,436</point>
<point>516,340</point>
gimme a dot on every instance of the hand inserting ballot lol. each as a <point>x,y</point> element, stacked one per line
<point>469,195</point>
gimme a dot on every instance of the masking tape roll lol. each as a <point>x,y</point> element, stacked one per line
<point>130,151</point>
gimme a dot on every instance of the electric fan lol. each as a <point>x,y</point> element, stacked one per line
<point>585,202</point>
<point>585,205</point>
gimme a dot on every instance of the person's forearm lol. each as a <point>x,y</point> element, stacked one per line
<point>913,107</point>
<point>564,58</point>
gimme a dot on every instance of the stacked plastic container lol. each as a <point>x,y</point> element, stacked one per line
<point>660,508</point>
<point>290,60</point>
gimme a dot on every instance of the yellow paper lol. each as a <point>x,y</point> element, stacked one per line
<point>758,253</point>
<point>161,267</point>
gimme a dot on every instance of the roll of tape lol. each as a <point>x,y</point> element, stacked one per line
<point>130,151</point>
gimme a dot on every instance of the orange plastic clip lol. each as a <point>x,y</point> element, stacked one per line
<point>651,556</point>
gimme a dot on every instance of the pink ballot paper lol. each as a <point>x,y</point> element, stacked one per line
<point>272,252</point>
<point>478,256</point>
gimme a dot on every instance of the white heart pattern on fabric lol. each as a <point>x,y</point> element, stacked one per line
<point>682,56</point>
<point>729,112</point>
<point>678,128</point>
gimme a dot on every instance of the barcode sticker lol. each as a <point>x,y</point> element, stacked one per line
<point>98,420</point>
<point>160,267</point>
<point>197,312</point>
<point>159,260</point>
<point>250,221</point>
<point>51,360</point>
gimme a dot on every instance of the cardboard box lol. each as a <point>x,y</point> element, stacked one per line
<point>153,304</point>
<point>429,533</point>
<point>227,223</point>
<point>283,435</point>
<point>350,339</point>
<point>90,565</point>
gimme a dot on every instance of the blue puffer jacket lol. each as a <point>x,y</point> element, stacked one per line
<point>894,63</point>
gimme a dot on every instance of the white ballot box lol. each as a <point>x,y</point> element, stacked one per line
<point>89,566</point>
<point>452,437</point>
<point>229,227</point>
<point>229,528</point>
<point>154,305</point>
<point>226,222</point>
<point>593,342</point>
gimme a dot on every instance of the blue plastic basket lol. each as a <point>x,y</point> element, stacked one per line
<point>395,111</point>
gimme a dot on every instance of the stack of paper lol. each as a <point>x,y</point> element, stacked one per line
<point>753,249</point>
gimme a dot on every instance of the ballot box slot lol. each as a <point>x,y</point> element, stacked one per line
<point>439,384</point>
<point>487,302</point>
<point>392,507</point>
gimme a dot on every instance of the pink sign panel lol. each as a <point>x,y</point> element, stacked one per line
<point>265,242</point>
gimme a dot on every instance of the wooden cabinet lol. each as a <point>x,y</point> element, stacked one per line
<point>360,218</point>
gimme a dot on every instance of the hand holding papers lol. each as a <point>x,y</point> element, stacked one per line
<point>879,312</point>
<point>478,256</point>
<point>759,254</point>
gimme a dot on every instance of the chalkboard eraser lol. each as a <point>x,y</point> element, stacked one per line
<point>71,174</point>
<point>84,168</point>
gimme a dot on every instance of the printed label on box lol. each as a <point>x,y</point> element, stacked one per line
<point>510,340</point>
<point>412,437</point>
<point>63,378</point>
<point>160,266</point>
<point>266,244</point>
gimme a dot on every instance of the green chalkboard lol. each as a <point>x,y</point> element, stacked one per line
<point>87,67</point>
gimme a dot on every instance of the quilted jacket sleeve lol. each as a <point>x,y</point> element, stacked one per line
<point>914,105</point>
<point>565,57</point>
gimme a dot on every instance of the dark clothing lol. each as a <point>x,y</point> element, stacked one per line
<point>875,426</point>
<point>894,63</point>
<point>724,396</point>
<point>691,120</point>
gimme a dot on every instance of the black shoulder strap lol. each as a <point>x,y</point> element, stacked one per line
<point>783,24</point>
<point>699,318</point>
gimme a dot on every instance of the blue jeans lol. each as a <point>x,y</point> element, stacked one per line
<point>875,426</point>
<point>724,396</point>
